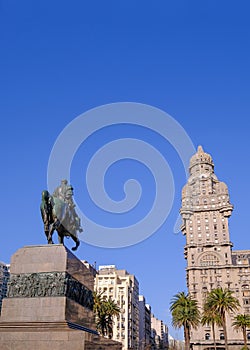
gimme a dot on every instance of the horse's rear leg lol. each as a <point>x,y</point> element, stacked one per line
<point>76,240</point>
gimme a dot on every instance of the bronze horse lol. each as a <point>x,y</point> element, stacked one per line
<point>60,215</point>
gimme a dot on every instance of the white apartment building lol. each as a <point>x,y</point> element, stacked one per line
<point>123,288</point>
<point>159,332</point>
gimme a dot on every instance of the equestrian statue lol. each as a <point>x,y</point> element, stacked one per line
<point>58,213</point>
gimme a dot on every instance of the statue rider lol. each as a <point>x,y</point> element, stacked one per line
<point>65,193</point>
<point>60,191</point>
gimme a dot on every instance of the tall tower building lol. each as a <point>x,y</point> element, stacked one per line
<point>211,263</point>
<point>123,288</point>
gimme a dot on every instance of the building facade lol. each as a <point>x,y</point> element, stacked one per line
<point>144,324</point>
<point>159,334</point>
<point>123,288</point>
<point>211,262</point>
<point>4,277</point>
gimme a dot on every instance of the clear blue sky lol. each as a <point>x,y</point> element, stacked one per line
<point>60,58</point>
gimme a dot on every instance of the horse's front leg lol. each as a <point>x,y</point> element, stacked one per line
<point>49,234</point>
<point>52,228</point>
<point>46,230</point>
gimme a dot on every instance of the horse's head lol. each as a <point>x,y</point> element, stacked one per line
<point>45,195</point>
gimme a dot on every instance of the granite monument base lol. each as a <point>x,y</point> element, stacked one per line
<point>49,303</point>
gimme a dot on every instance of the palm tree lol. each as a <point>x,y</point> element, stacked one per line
<point>98,298</point>
<point>99,312</point>
<point>105,311</point>
<point>185,313</point>
<point>221,301</point>
<point>112,310</point>
<point>211,318</point>
<point>242,322</point>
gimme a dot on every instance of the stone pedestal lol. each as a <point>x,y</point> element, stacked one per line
<point>49,303</point>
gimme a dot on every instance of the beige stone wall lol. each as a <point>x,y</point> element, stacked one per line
<point>51,336</point>
<point>46,258</point>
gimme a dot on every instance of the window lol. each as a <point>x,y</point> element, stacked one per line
<point>207,336</point>
<point>246,293</point>
<point>248,336</point>
<point>222,337</point>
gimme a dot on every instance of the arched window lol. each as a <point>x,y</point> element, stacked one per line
<point>207,336</point>
<point>222,337</point>
<point>204,292</point>
<point>248,336</point>
<point>209,260</point>
<point>245,286</point>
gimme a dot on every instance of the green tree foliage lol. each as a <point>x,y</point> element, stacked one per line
<point>221,301</point>
<point>242,322</point>
<point>105,310</point>
<point>210,317</point>
<point>185,313</point>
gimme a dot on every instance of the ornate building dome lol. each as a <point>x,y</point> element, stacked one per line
<point>200,157</point>
<point>201,162</point>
